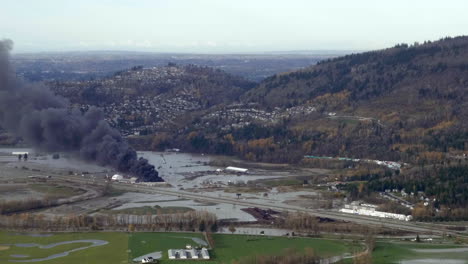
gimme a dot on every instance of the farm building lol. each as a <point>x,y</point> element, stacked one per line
<point>188,253</point>
<point>192,253</point>
<point>171,253</point>
<point>205,254</point>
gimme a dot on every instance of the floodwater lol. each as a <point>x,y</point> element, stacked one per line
<point>69,163</point>
<point>442,250</point>
<point>433,261</point>
<point>179,169</point>
<point>182,171</point>
<point>457,256</point>
<point>193,170</point>
<point>222,211</point>
<point>18,192</point>
<point>65,161</point>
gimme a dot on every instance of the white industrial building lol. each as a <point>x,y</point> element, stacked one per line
<point>370,210</point>
<point>188,254</point>
<point>236,169</point>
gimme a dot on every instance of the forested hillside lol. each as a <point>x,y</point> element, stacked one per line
<point>397,103</point>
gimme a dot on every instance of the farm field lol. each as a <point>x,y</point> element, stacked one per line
<point>113,247</point>
<point>231,247</point>
<point>415,253</point>
<point>19,247</point>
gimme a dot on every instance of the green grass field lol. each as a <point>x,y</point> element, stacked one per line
<point>393,252</point>
<point>230,247</point>
<point>112,253</point>
<point>123,247</point>
<point>144,243</point>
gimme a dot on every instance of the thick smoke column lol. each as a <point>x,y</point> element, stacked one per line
<point>48,123</point>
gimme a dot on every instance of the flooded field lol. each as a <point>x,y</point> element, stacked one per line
<point>193,170</point>
<point>13,192</point>
<point>433,261</point>
<point>222,211</point>
<point>418,253</point>
<point>183,171</point>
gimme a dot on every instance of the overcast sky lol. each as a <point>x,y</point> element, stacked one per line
<point>217,26</point>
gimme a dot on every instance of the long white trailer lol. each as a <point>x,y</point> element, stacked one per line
<point>236,169</point>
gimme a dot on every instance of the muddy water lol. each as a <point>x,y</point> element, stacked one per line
<point>66,161</point>
<point>222,211</point>
<point>192,170</point>
<point>182,171</point>
<point>442,250</point>
<point>18,193</point>
<point>179,169</point>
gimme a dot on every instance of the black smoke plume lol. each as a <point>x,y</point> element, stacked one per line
<point>48,123</point>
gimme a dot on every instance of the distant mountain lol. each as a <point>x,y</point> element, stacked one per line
<point>98,64</point>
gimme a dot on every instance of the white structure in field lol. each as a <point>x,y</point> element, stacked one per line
<point>16,153</point>
<point>183,254</point>
<point>148,260</point>
<point>236,169</point>
<point>205,254</point>
<point>370,210</point>
<point>188,253</point>
<point>193,253</point>
<point>171,253</point>
<point>117,177</point>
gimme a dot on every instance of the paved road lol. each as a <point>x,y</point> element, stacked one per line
<point>363,220</point>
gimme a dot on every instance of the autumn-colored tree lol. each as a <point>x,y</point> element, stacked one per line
<point>232,229</point>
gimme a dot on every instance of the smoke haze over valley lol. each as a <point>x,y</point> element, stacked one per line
<point>49,123</point>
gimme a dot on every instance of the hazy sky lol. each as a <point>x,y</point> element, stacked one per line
<point>227,25</point>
